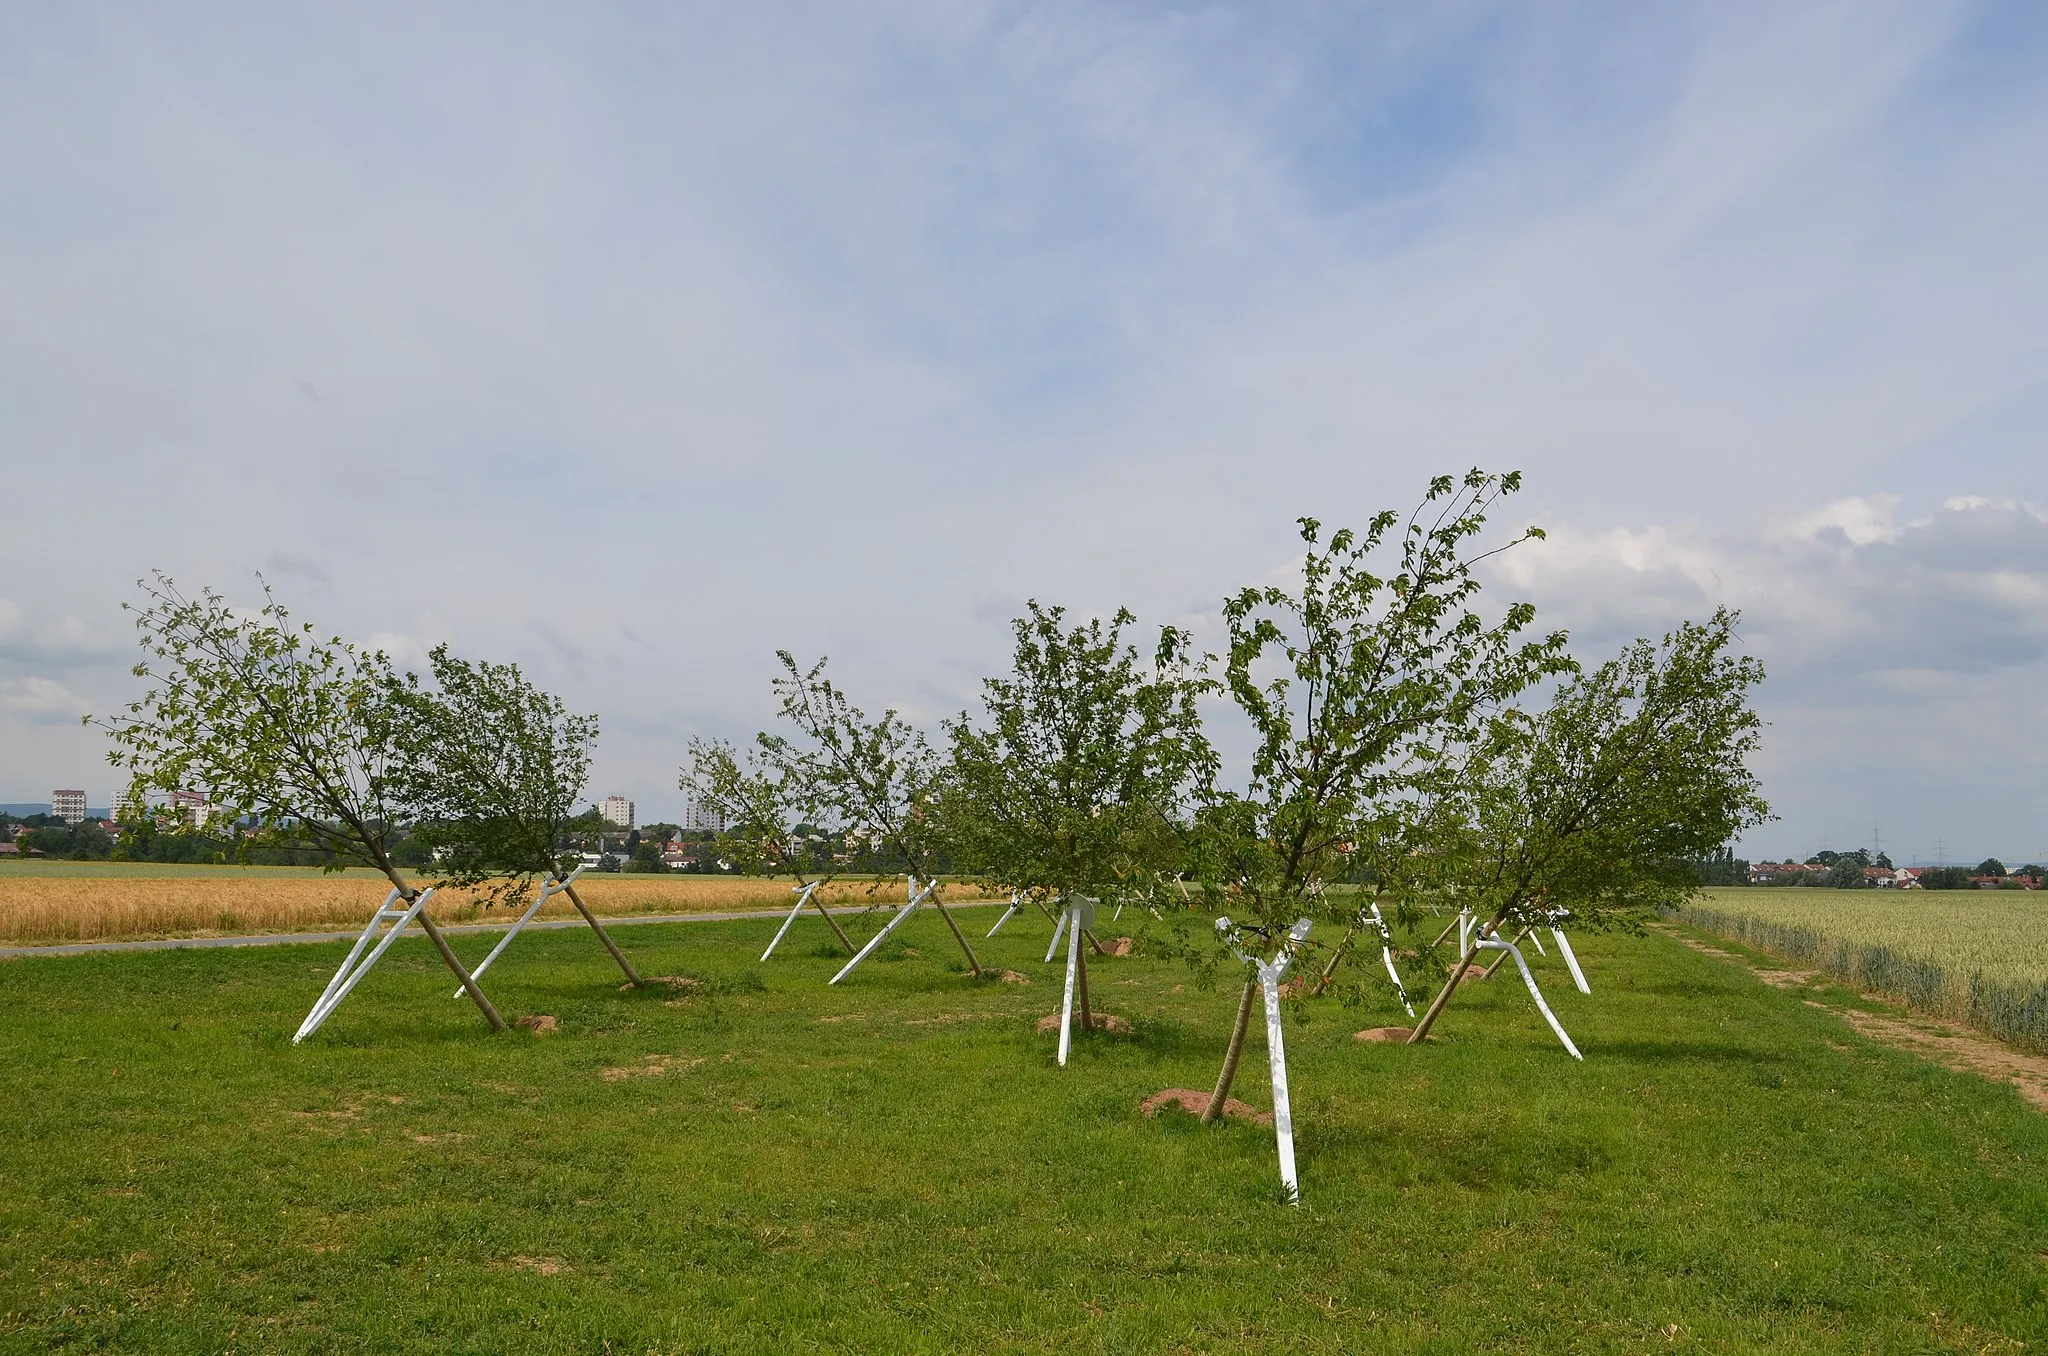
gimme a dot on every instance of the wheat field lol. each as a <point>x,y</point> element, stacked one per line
<point>53,906</point>
<point>1971,955</point>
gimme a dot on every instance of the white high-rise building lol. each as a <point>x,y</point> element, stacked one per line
<point>68,806</point>
<point>617,810</point>
<point>703,819</point>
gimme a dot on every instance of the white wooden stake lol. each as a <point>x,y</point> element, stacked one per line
<point>1564,944</point>
<point>1495,944</point>
<point>351,972</point>
<point>1387,957</point>
<point>887,928</point>
<point>803,897</point>
<point>1270,974</point>
<point>548,887</point>
<point>1059,931</point>
<point>1083,913</point>
<point>1016,903</point>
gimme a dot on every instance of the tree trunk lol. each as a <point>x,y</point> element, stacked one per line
<point>468,984</point>
<point>1087,1014</point>
<point>1444,994</point>
<point>1089,937</point>
<point>1230,1057</point>
<point>836,929</point>
<point>958,935</point>
<point>1336,959</point>
<point>1050,916</point>
<point>1449,928</point>
<point>632,975</point>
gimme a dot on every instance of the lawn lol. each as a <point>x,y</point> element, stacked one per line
<point>764,1163</point>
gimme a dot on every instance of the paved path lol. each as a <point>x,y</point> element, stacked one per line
<point>299,938</point>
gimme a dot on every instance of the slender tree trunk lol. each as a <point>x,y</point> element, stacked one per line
<point>1050,916</point>
<point>632,975</point>
<point>469,986</point>
<point>1444,994</point>
<point>1100,949</point>
<point>958,935</point>
<point>1228,1075</point>
<point>1087,1013</point>
<point>1449,928</point>
<point>1336,959</point>
<point>836,929</point>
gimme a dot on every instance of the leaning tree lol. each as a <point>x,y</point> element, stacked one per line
<point>1595,808</point>
<point>295,736</point>
<point>771,822</point>
<point>492,770</point>
<point>880,777</point>
<point>1076,783</point>
<point>1356,687</point>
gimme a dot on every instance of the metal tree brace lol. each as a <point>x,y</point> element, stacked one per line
<point>352,969</point>
<point>1270,974</point>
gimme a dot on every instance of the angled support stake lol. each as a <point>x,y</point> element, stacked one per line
<point>548,888</point>
<point>1514,953</point>
<point>1564,944</point>
<point>803,897</point>
<point>357,964</point>
<point>902,915</point>
<point>1016,903</point>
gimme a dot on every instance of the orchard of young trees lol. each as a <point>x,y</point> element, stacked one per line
<point>1414,748</point>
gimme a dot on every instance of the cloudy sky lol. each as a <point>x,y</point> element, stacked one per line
<point>633,343</point>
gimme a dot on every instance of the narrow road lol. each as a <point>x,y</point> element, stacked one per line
<point>300,938</point>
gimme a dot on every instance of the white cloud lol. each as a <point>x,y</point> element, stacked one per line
<point>42,699</point>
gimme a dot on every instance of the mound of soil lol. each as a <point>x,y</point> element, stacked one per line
<point>1195,1103</point>
<point>1104,1021</point>
<point>1393,1035</point>
<point>1118,946</point>
<point>540,1024</point>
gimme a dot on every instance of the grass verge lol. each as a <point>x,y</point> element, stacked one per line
<point>759,1162</point>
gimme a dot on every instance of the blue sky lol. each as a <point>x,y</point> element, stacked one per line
<point>633,343</point>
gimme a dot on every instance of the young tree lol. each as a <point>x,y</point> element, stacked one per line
<point>769,816</point>
<point>1358,689</point>
<point>491,770</point>
<point>296,734</point>
<point>878,776</point>
<point>1599,803</point>
<point>1079,781</point>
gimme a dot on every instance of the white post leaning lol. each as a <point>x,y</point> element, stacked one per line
<point>1387,956</point>
<point>352,971</point>
<point>1495,944</point>
<point>548,888</point>
<point>803,897</point>
<point>1059,931</point>
<point>1016,903</point>
<point>887,928</point>
<point>1564,944</point>
<point>1270,974</point>
<point>1083,912</point>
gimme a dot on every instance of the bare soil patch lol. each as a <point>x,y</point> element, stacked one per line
<point>1393,1035</point>
<point>654,1067</point>
<point>1195,1102</point>
<point>539,1023</point>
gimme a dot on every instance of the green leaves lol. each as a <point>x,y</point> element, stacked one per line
<point>491,768</point>
<point>1597,803</point>
<point>282,729</point>
<point>1081,776</point>
<point>1360,687</point>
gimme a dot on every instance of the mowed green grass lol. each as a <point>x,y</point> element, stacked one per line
<point>896,1164</point>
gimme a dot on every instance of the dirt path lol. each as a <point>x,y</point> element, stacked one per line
<point>1954,1047</point>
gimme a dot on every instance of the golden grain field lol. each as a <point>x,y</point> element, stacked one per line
<point>49,907</point>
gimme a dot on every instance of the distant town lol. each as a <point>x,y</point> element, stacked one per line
<point>185,827</point>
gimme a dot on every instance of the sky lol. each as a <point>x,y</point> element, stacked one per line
<point>634,343</point>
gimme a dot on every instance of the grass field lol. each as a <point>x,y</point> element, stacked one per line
<point>84,901</point>
<point>1970,955</point>
<point>768,1164</point>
